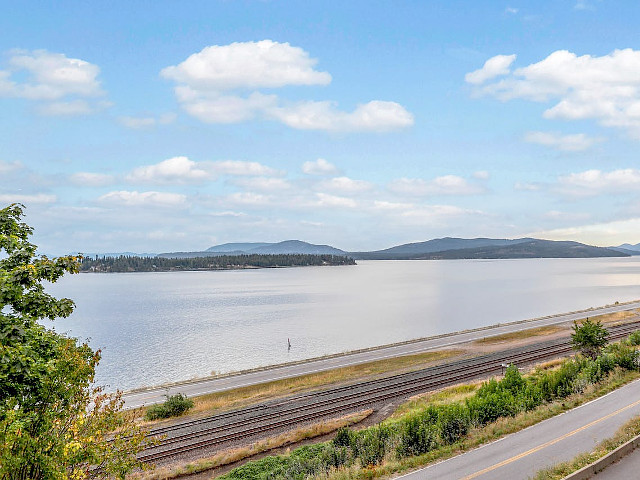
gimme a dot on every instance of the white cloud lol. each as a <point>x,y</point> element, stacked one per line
<point>481,175</point>
<point>238,167</point>
<point>511,10</point>
<point>88,179</point>
<point>605,89</point>
<point>27,199</point>
<point>444,185</point>
<point>596,182</point>
<point>53,78</point>
<point>249,199</point>
<point>345,185</point>
<point>219,85</point>
<point>172,170</point>
<point>247,65</point>
<point>494,67</point>
<point>568,143</point>
<point>144,199</point>
<point>334,201</point>
<point>147,122</point>
<point>375,116</point>
<point>217,108</point>
<point>319,167</point>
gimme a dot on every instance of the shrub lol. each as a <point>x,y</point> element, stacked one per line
<point>416,437</point>
<point>173,406</point>
<point>343,438</point>
<point>634,338</point>
<point>370,445</point>
<point>454,422</point>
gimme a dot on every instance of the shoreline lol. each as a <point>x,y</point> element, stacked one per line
<point>194,381</point>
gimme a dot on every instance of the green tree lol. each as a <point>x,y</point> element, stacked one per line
<point>54,423</point>
<point>589,338</point>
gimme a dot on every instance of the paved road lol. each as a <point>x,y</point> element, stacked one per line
<point>628,467</point>
<point>521,455</point>
<point>204,386</point>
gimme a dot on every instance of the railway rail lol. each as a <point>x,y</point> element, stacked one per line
<point>278,414</point>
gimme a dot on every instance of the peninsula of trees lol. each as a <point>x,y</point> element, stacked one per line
<point>125,263</point>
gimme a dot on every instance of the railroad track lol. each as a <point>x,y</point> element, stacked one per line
<point>276,415</point>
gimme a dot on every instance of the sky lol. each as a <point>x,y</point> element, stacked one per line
<point>156,126</point>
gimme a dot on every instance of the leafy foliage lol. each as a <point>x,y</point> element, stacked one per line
<point>173,406</point>
<point>54,424</point>
<point>589,338</point>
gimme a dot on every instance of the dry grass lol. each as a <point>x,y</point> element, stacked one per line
<point>227,457</point>
<point>245,396</point>
<point>522,334</point>
<point>616,317</point>
<point>628,431</point>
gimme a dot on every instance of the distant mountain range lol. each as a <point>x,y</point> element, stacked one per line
<point>439,248</point>
<point>286,247</point>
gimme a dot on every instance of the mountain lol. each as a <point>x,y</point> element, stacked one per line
<point>488,248</point>
<point>236,247</point>
<point>296,246</point>
<point>628,246</point>
<point>410,250</point>
<point>281,248</point>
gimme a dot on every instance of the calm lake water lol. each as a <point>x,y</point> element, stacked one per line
<point>160,327</point>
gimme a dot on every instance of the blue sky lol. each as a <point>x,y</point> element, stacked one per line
<point>163,126</point>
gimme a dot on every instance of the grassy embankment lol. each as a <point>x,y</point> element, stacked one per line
<point>625,433</point>
<point>447,424</point>
<point>233,455</point>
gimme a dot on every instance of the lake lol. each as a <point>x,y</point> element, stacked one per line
<point>162,327</point>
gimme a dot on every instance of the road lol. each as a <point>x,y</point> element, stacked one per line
<point>558,439</point>
<point>210,385</point>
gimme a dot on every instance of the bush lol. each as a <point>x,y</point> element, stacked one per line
<point>173,406</point>
<point>343,438</point>
<point>454,422</point>
<point>634,338</point>
<point>370,445</point>
<point>416,437</point>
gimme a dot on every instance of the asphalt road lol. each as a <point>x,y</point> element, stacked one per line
<point>200,387</point>
<point>558,439</point>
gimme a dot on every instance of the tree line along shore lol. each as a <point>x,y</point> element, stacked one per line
<point>124,263</point>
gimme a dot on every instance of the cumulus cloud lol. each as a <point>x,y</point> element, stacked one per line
<point>568,143</point>
<point>334,201</point>
<point>61,83</point>
<point>605,89</point>
<point>494,67</point>
<point>597,182</point>
<point>319,167</point>
<point>220,84</point>
<point>375,116</point>
<point>87,179</point>
<point>345,185</point>
<point>172,170</point>
<point>182,170</point>
<point>444,185</point>
<point>144,199</point>
<point>247,65</point>
<point>604,234</point>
